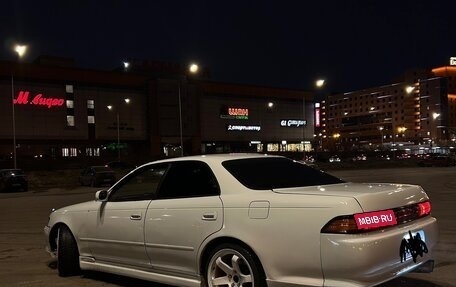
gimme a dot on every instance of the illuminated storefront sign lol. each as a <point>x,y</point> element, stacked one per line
<point>317,117</point>
<point>243,128</point>
<point>234,113</point>
<point>23,98</point>
<point>293,123</point>
<point>453,61</point>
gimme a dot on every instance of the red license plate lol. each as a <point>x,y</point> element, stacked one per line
<point>375,219</point>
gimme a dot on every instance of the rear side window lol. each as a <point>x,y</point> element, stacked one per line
<point>188,179</point>
<point>272,173</point>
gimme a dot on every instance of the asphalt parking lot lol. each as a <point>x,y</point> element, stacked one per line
<point>23,261</point>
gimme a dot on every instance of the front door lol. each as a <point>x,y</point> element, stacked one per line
<point>117,235</point>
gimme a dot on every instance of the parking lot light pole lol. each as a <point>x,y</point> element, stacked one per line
<point>193,69</point>
<point>20,50</point>
<point>14,122</point>
<point>110,107</point>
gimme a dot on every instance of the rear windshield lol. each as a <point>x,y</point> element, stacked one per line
<point>273,173</point>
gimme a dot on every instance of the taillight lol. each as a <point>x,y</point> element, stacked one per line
<point>342,224</point>
<point>347,224</point>
<point>424,208</point>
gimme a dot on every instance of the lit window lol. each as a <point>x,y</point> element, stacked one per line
<point>65,152</point>
<point>69,152</point>
<point>70,121</point>
<point>70,104</point>
<point>69,89</point>
<point>90,104</point>
<point>259,147</point>
<point>73,151</point>
<point>273,147</point>
<point>90,119</point>
<point>92,151</point>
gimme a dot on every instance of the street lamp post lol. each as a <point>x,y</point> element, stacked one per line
<point>20,50</point>
<point>434,129</point>
<point>319,85</point>
<point>118,136</point>
<point>193,69</point>
<point>303,129</point>
<point>14,122</point>
<point>381,128</point>
<point>110,107</point>
<point>180,119</point>
<point>336,137</point>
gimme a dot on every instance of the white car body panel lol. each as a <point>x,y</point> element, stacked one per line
<point>281,226</point>
<point>296,251</point>
<point>175,228</point>
<point>371,196</point>
<point>370,257</point>
<point>114,227</point>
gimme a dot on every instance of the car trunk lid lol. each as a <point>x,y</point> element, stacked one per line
<point>370,196</point>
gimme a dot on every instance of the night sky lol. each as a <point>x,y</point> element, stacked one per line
<point>353,44</point>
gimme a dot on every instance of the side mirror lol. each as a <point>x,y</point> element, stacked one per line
<point>101,195</point>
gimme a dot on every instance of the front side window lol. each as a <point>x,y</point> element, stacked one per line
<point>140,185</point>
<point>188,179</point>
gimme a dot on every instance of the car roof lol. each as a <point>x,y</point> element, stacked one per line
<point>217,158</point>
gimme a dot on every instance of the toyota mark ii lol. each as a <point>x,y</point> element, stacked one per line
<point>245,220</point>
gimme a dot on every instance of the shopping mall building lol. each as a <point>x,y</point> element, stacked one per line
<point>51,109</point>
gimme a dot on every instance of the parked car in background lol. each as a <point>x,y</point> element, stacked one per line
<point>221,220</point>
<point>13,179</point>
<point>438,160</point>
<point>97,176</point>
<point>119,165</point>
<point>334,158</point>
<point>360,157</point>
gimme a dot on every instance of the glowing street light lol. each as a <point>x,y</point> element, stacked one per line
<point>401,129</point>
<point>20,50</point>
<point>409,89</point>
<point>193,68</point>
<point>319,83</point>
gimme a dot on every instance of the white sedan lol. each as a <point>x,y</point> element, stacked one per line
<point>245,220</point>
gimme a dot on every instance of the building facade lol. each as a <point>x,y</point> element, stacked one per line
<point>52,110</point>
<point>414,114</point>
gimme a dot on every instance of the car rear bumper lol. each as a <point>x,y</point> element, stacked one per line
<point>372,258</point>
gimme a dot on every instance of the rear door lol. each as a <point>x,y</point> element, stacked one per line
<point>187,210</point>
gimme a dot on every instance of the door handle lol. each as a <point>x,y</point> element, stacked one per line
<point>135,217</point>
<point>210,216</point>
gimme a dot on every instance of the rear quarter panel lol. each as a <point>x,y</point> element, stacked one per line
<point>287,240</point>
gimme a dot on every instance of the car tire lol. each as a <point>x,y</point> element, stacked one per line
<point>67,253</point>
<point>233,265</point>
